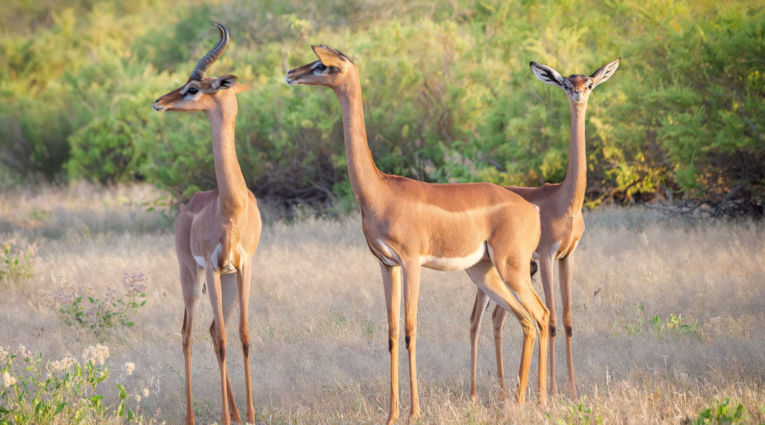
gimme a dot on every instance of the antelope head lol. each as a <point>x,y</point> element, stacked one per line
<point>202,93</point>
<point>331,70</point>
<point>577,87</point>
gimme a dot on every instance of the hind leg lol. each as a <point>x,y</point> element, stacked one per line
<point>514,270</point>
<point>484,274</point>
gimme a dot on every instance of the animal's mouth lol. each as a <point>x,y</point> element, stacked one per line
<point>157,107</point>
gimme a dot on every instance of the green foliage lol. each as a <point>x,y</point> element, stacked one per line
<point>578,414</point>
<point>674,325</point>
<point>78,307</point>
<point>60,391</point>
<point>448,94</point>
<point>16,263</point>
<point>723,413</point>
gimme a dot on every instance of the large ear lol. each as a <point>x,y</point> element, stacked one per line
<point>329,56</point>
<point>605,72</point>
<point>546,74</point>
<point>224,83</point>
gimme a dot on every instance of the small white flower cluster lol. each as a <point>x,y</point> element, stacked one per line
<point>135,282</point>
<point>97,353</point>
<point>24,352</point>
<point>4,355</point>
<point>8,380</point>
<point>129,368</point>
<point>61,365</point>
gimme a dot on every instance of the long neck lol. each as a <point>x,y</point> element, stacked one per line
<point>575,182</point>
<point>362,172</point>
<point>232,189</point>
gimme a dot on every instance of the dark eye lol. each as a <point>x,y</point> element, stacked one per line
<point>590,86</point>
<point>192,90</point>
<point>321,67</point>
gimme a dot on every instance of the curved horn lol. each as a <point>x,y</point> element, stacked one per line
<point>199,71</point>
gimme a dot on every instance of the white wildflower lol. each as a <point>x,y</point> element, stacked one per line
<point>3,355</point>
<point>137,398</point>
<point>129,368</point>
<point>8,380</point>
<point>24,351</point>
<point>146,392</point>
<point>67,362</point>
<point>96,353</point>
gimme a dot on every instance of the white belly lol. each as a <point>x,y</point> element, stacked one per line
<point>454,263</point>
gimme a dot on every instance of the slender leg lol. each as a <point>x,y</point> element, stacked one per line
<point>243,280</point>
<point>546,266</point>
<point>566,277</point>
<point>479,307</point>
<point>498,319</point>
<point>229,297</point>
<point>411,273</point>
<point>219,337</point>
<point>191,286</point>
<point>392,285</point>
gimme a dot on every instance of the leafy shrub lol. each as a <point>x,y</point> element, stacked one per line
<point>78,306</point>
<point>723,413</point>
<point>67,391</point>
<point>448,95</point>
<point>16,263</point>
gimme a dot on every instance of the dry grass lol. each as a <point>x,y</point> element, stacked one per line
<point>318,317</point>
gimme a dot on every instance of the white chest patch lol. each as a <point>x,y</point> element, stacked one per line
<point>454,263</point>
<point>214,257</point>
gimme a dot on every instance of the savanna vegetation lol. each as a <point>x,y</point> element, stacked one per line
<point>667,310</point>
<point>448,94</point>
<point>667,315</point>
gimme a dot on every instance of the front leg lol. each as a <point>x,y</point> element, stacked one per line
<point>566,276</point>
<point>479,307</point>
<point>243,286</point>
<point>411,295</point>
<point>546,272</point>
<point>218,333</point>
<point>392,286</point>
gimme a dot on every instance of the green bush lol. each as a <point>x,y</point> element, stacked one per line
<point>34,391</point>
<point>448,94</point>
